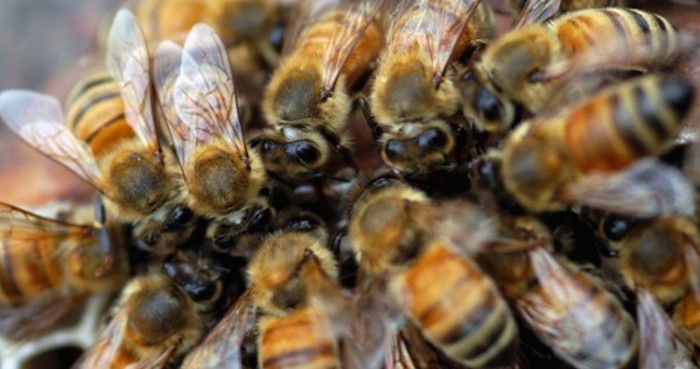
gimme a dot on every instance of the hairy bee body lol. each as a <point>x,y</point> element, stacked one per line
<point>604,133</point>
<point>608,39</point>
<point>41,255</point>
<point>307,101</point>
<point>413,92</point>
<point>461,313</point>
<point>583,323</point>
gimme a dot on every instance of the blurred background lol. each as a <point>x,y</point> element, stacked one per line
<point>45,45</point>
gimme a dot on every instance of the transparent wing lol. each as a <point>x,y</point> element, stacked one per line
<point>38,120</point>
<point>342,44</point>
<point>656,348</point>
<point>442,30</point>
<point>166,69</point>
<point>647,189</point>
<point>535,11</point>
<point>37,316</point>
<point>570,313</point>
<point>222,346</point>
<point>129,64</point>
<point>205,97</point>
<point>467,227</point>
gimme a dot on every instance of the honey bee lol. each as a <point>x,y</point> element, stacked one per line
<point>578,154</point>
<point>293,280</point>
<point>394,230</point>
<point>248,22</point>
<point>161,315</point>
<point>530,66</point>
<point>121,155</point>
<point>224,178</point>
<point>307,101</point>
<point>567,309</point>
<point>46,263</point>
<point>413,91</point>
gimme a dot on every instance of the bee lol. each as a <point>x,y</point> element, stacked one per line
<point>567,309</point>
<point>161,315</point>
<point>307,101</point>
<point>224,178</point>
<point>293,279</point>
<point>397,233</point>
<point>530,66</point>
<point>247,22</point>
<point>413,91</point>
<point>589,153</point>
<point>47,262</point>
<point>283,285</point>
<point>119,155</point>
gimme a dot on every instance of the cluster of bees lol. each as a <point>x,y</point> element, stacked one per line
<point>532,200</point>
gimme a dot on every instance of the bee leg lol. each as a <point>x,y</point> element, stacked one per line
<point>105,239</point>
<point>367,113</point>
<point>344,151</point>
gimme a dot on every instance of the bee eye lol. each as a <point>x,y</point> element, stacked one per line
<point>432,138</point>
<point>303,150</point>
<point>615,229</point>
<point>202,292</point>
<point>487,104</point>
<point>178,218</point>
<point>276,36</point>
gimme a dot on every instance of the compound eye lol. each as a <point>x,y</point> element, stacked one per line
<point>487,104</point>
<point>395,148</point>
<point>179,217</point>
<point>432,138</point>
<point>203,292</point>
<point>304,150</point>
<point>615,228</point>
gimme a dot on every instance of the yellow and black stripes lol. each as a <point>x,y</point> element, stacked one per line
<point>464,314</point>
<point>96,112</point>
<point>629,121</point>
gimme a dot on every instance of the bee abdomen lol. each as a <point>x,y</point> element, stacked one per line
<point>96,113</point>
<point>297,341</point>
<point>580,31</point>
<point>633,120</point>
<point>26,272</point>
<point>464,316</point>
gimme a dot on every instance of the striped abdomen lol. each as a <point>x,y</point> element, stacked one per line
<point>96,113</point>
<point>459,309</point>
<point>299,340</point>
<point>593,29</point>
<point>30,266</point>
<point>626,122</point>
<point>169,19</point>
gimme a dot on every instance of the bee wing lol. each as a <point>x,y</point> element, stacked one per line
<point>647,189</point>
<point>166,69</point>
<point>299,16</point>
<point>655,332</point>
<point>36,316</point>
<point>16,222</point>
<point>342,44</point>
<point>463,224</point>
<point>222,346</point>
<point>205,96</point>
<point>535,11</point>
<point>550,312</point>
<point>38,120</point>
<point>129,64</point>
<point>693,260</point>
<point>439,30</point>
<point>107,348</point>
